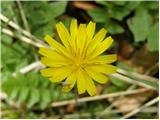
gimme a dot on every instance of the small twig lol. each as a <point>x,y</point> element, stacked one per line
<point>29,67</point>
<point>23,16</point>
<point>139,109</point>
<point>18,28</point>
<point>21,37</point>
<point>86,99</point>
<point>126,79</point>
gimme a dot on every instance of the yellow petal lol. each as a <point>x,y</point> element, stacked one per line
<point>81,83</point>
<point>103,59</point>
<point>73,32</point>
<point>91,88</point>
<point>54,62</point>
<point>98,77</point>
<point>58,78</point>
<point>49,72</point>
<point>106,69</point>
<point>63,34</point>
<point>103,46</point>
<point>57,75</point>
<point>70,82</point>
<point>90,30</point>
<point>96,40</point>
<point>51,53</point>
<point>81,38</point>
<point>56,45</point>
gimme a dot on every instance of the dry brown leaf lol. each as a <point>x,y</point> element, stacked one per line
<point>130,102</point>
<point>83,5</point>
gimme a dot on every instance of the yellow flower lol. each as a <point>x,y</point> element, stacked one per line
<point>78,59</point>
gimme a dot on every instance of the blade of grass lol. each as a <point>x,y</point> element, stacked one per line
<point>129,80</point>
<point>23,16</point>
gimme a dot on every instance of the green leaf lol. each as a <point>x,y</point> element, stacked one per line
<point>114,28</point>
<point>153,40</point>
<point>152,5</point>
<point>34,97</point>
<point>7,8</point>
<point>6,39</point>
<point>140,24</point>
<point>45,98</point>
<point>23,95</point>
<point>120,3</point>
<point>14,93</point>
<point>112,89</point>
<point>124,66</point>
<point>118,12</point>
<point>57,8</point>
<point>131,5</point>
<point>98,15</point>
<point>101,2</point>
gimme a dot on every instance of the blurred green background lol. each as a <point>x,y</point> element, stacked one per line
<point>133,24</point>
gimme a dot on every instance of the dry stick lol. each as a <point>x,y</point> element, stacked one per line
<point>139,109</point>
<point>23,16</point>
<point>126,79</point>
<point>21,37</point>
<point>104,96</point>
<point>29,67</point>
<point>16,27</point>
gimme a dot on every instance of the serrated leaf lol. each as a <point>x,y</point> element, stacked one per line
<point>23,94</point>
<point>140,24</point>
<point>45,98</point>
<point>34,97</point>
<point>14,93</point>
<point>55,96</point>
<point>153,38</point>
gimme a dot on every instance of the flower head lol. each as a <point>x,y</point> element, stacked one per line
<point>78,58</point>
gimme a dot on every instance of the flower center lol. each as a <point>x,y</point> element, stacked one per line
<point>78,62</point>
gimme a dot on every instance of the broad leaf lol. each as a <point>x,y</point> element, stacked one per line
<point>153,40</point>
<point>140,24</point>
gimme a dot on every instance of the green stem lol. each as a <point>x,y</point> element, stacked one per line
<point>76,96</point>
